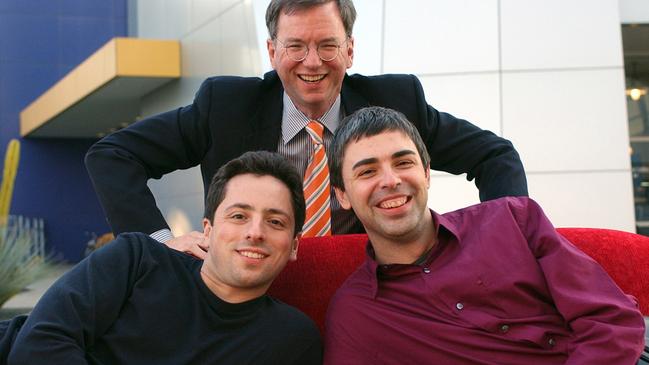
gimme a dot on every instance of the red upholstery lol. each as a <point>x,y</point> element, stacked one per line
<point>624,256</point>
<point>324,263</point>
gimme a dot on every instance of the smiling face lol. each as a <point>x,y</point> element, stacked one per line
<point>312,84</point>
<point>387,186</point>
<point>251,238</point>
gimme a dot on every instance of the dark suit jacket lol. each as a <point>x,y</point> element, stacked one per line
<point>231,115</point>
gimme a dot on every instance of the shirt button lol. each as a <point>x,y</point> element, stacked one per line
<point>459,306</point>
<point>426,270</point>
<point>504,328</point>
<point>551,342</point>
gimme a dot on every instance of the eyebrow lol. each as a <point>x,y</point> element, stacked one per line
<point>277,211</point>
<point>403,153</point>
<point>371,160</point>
<point>330,39</point>
<point>240,206</point>
<point>250,207</point>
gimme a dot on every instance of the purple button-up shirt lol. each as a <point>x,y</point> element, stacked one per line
<point>500,287</point>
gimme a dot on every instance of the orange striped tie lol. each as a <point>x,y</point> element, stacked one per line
<point>316,186</point>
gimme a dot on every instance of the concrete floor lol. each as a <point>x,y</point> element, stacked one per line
<point>25,301</point>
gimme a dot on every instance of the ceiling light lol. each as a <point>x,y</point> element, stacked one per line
<point>636,93</point>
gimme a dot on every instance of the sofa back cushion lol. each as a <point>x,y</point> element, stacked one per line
<point>324,263</point>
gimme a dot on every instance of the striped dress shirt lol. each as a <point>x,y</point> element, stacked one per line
<point>295,144</point>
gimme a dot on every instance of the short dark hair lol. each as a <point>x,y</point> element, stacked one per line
<point>368,122</point>
<point>276,7</point>
<point>258,163</point>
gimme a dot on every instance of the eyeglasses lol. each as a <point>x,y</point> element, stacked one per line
<point>297,51</point>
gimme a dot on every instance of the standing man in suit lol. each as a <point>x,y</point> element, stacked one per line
<point>293,110</point>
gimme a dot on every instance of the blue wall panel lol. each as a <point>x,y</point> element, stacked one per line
<point>83,34</point>
<point>40,41</point>
<point>88,8</point>
<point>29,38</point>
<point>22,83</point>
<point>20,7</point>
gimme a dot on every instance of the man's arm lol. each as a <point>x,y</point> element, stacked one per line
<point>78,308</point>
<point>607,325</point>
<point>121,163</point>
<point>457,146</point>
<point>345,341</point>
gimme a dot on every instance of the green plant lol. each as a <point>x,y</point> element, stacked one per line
<point>22,243</point>
<point>23,259</point>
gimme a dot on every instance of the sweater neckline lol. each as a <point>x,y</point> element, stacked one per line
<point>220,305</point>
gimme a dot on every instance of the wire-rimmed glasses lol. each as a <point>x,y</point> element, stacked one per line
<point>298,51</point>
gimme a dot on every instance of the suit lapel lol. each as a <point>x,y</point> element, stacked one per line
<point>267,121</point>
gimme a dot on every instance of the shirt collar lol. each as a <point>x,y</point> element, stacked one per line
<point>375,270</point>
<point>293,120</point>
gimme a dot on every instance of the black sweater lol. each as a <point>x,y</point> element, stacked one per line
<point>137,302</point>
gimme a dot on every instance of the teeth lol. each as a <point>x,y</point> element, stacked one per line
<point>311,78</point>
<point>252,255</point>
<point>393,203</point>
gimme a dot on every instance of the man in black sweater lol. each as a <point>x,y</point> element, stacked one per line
<point>135,301</point>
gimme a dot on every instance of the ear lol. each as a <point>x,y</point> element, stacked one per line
<point>207,228</point>
<point>427,172</point>
<point>270,46</point>
<point>350,51</point>
<point>342,198</point>
<point>294,247</point>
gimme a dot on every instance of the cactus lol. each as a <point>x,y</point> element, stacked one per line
<point>8,177</point>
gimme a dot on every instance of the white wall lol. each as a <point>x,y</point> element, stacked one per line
<point>218,37</point>
<point>546,74</point>
<point>634,11</point>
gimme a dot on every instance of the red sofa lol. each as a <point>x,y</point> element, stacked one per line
<point>325,262</point>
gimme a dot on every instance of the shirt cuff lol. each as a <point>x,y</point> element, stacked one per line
<point>162,235</point>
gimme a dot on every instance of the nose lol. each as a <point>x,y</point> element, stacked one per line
<point>255,231</point>
<point>312,58</point>
<point>390,179</point>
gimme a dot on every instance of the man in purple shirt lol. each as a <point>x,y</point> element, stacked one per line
<point>493,283</point>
